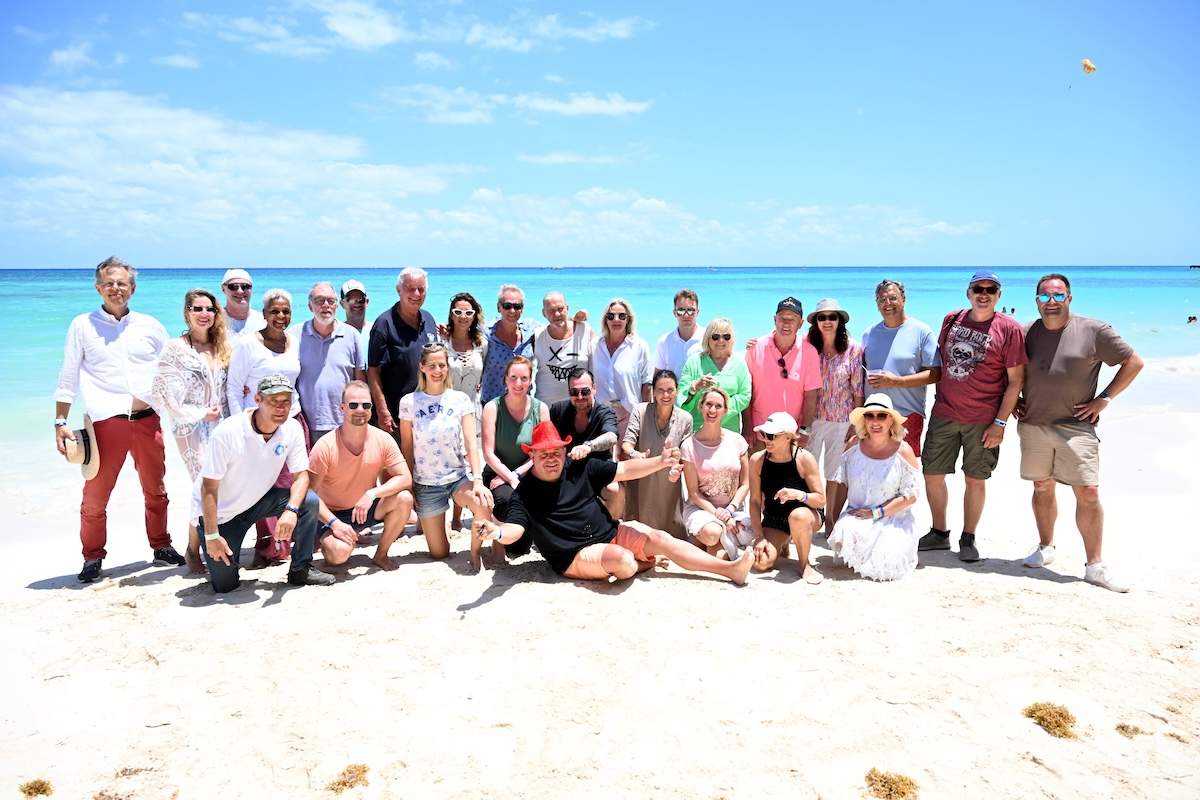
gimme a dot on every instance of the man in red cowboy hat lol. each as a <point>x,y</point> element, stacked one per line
<point>559,502</point>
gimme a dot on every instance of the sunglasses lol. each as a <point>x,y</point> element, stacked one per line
<point>353,406</point>
<point>770,437</point>
<point>463,312</point>
<point>725,336</point>
<point>582,392</point>
<point>686,312</point>
<point>881,415</point>
<point>827,317</point>
<point>783,373</point>
<point>511,306</point>
<point>357,301</point>
<point>325,301</point>
<point>615,315</point>
<point>1057,297</point>
<point>985,289</point>
<point>239,287</point>
<point>202,309</point>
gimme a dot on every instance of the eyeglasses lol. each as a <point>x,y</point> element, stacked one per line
<point>615,315</point>
<point>110,285</point>
<point>239,287</point>
<point>827,317</point>
<point>463,312</point>
<point>985,289</point>
<point>202,309</point>
<point>881,415</point>
<point>355,406</point>
<point>1058,297</point>
<point>583,391</point>
<point>725,336</point>
<point>325,301</point>
<point>512,306</point>
<point>783,373</point>
<point>686,312</point>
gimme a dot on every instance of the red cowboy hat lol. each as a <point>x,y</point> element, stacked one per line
<point>545,437</point>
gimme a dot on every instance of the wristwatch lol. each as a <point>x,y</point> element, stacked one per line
<point>1103,396</point>
<point>804,431</point>
<point>471,476</point>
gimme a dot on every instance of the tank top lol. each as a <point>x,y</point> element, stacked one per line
<point>777,475</point>
<point>511,434</point>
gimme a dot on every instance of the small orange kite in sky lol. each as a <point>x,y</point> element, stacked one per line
<point>1088,67</point>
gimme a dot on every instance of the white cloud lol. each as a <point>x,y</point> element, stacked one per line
<point>497,37</point>
<point>487,195</point>
<point>804,211</point>
<point>271,35</point>
<point>37,37</point>
<point>73,56</point>
<point>612,104</point>
<point>431,61</point>
<point>597,196</point>
<point>556,158</point>
<point>361,25</point>
<point>555,78</point>
<point>551,27</point>
<point>178,61</point>
<point>452,106</point>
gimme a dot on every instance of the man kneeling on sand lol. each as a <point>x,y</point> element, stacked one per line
<point>344,465</point>
<point>559,501</point>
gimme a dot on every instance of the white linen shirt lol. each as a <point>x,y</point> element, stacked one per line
<point>112,360</point>
<point>620,376</point>
<point>673,351</point>
<point>246,465</point>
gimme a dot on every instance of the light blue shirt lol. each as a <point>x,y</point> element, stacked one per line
<point>327,364</point>
<point>904,350</point>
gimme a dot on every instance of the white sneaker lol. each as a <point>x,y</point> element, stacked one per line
<point>1098,574</point>
<point>1040,557</point>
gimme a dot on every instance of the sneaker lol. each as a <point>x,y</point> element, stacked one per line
<point>168,557</point>
<point>934,540</point>
<point>1098,574</point>
<point>308,575</point>
<point>90,572</point>
<point>967,551</point>
<point>1040,557</point>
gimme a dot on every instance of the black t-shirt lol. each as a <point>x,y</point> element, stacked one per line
<point>602,419</point>
<point>565,516</point>
<point>396,349</point>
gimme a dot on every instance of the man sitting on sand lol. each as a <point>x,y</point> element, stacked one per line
<point>559,501</point>
<point>237,488</point>
<point>344,466</point>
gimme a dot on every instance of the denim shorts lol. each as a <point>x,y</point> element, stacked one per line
<point>434,500</point>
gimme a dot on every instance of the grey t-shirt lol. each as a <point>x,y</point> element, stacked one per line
<point>1064,367</point>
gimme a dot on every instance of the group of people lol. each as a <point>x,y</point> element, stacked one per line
<point>603,452</point>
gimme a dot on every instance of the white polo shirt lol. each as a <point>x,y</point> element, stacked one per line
<point>246,465</point>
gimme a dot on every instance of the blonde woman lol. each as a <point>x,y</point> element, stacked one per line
<point>717,364</point>
<point>621,363</point>
<point>716,470</point>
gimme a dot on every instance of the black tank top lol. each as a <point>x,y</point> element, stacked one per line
<point>778,475</point>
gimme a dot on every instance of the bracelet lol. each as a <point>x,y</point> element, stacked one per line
<point>1104,396</point>
<point>60,423</point>
<point>370,493</point>
<point>882,513</point>
<point>1000,422</point>
<point>211,537</point>
<point>804,499</point>
<point>292,509</point>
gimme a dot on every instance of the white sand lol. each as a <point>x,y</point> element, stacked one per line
<point>520,684</point>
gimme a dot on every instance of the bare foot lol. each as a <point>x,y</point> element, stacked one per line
<point>475,563</point>
<point>742,567</point>
<point>384,562</point>
<point>498,552</point>
<point>811,576</point>
<point>195,563</point>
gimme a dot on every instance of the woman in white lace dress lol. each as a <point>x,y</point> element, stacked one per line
<point>877,533</point>
<point>189,387</point>
<point>467,348</point>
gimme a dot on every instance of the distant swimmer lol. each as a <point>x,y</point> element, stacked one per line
<point>1191,320</point>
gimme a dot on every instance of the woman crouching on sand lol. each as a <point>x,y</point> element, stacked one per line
<point>439,423</point>
<point>877,534</point>
<point>717,473</point>
<point>786,500</point>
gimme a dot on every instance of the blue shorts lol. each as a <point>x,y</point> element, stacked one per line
<point>434,500</point>
<point>347,516</point>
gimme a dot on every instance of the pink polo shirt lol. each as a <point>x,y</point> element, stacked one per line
<point>770,391</point>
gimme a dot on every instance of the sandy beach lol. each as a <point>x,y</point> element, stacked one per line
<point>518,683</point>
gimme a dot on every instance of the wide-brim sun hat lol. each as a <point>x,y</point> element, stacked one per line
<point>545,437</point>
<point>829,304</point>
<point>876,402</point>
<point>83,450</point>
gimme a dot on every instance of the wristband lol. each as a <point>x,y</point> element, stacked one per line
<point>60,423</point>
<point>1103,396</point>
<point>370,493</point>
<point>211,537</point>
<point>1000,422</point>
<point>882,513</point>
<point>292,509</point>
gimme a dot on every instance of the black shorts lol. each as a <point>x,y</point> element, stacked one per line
<point>781,524</point>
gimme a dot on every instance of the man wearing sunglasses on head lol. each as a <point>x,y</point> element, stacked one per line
<point>510,335</point>
<point>331,355</point>
<point>1059,410</point>
<point>241,318</point>
<point>785,375</point>
<point>593,427</point>
<point>344,467</point>
<point>983,369</point>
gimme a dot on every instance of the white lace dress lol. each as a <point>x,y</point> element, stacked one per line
<point>185,389</point>
<point>883,549</point>
<point>466,374</point>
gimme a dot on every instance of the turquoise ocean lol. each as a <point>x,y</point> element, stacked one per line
<point>1147,305</point>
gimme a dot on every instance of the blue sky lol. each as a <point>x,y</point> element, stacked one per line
<point>382,133</point>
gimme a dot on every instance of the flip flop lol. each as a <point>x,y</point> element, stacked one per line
<point>813,577</point>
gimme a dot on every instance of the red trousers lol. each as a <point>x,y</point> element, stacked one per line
<point>116,438</point>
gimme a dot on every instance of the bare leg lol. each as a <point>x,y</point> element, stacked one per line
<point>465,497</point>
<point>802,522</point>
<point>710,535</point>
<point>768,550</point>
<point>1089,517</point>
<point>195,563</point>
<point>691,558</point>
<point>613,497</point>
<point>973,500</point>
<point>395,511</point>
<point>434,529</point>
<point>334,550</point>
<point>1045,510</point>
<point>615,561</point>
<point>833,504</point>
<point>938,496</point>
